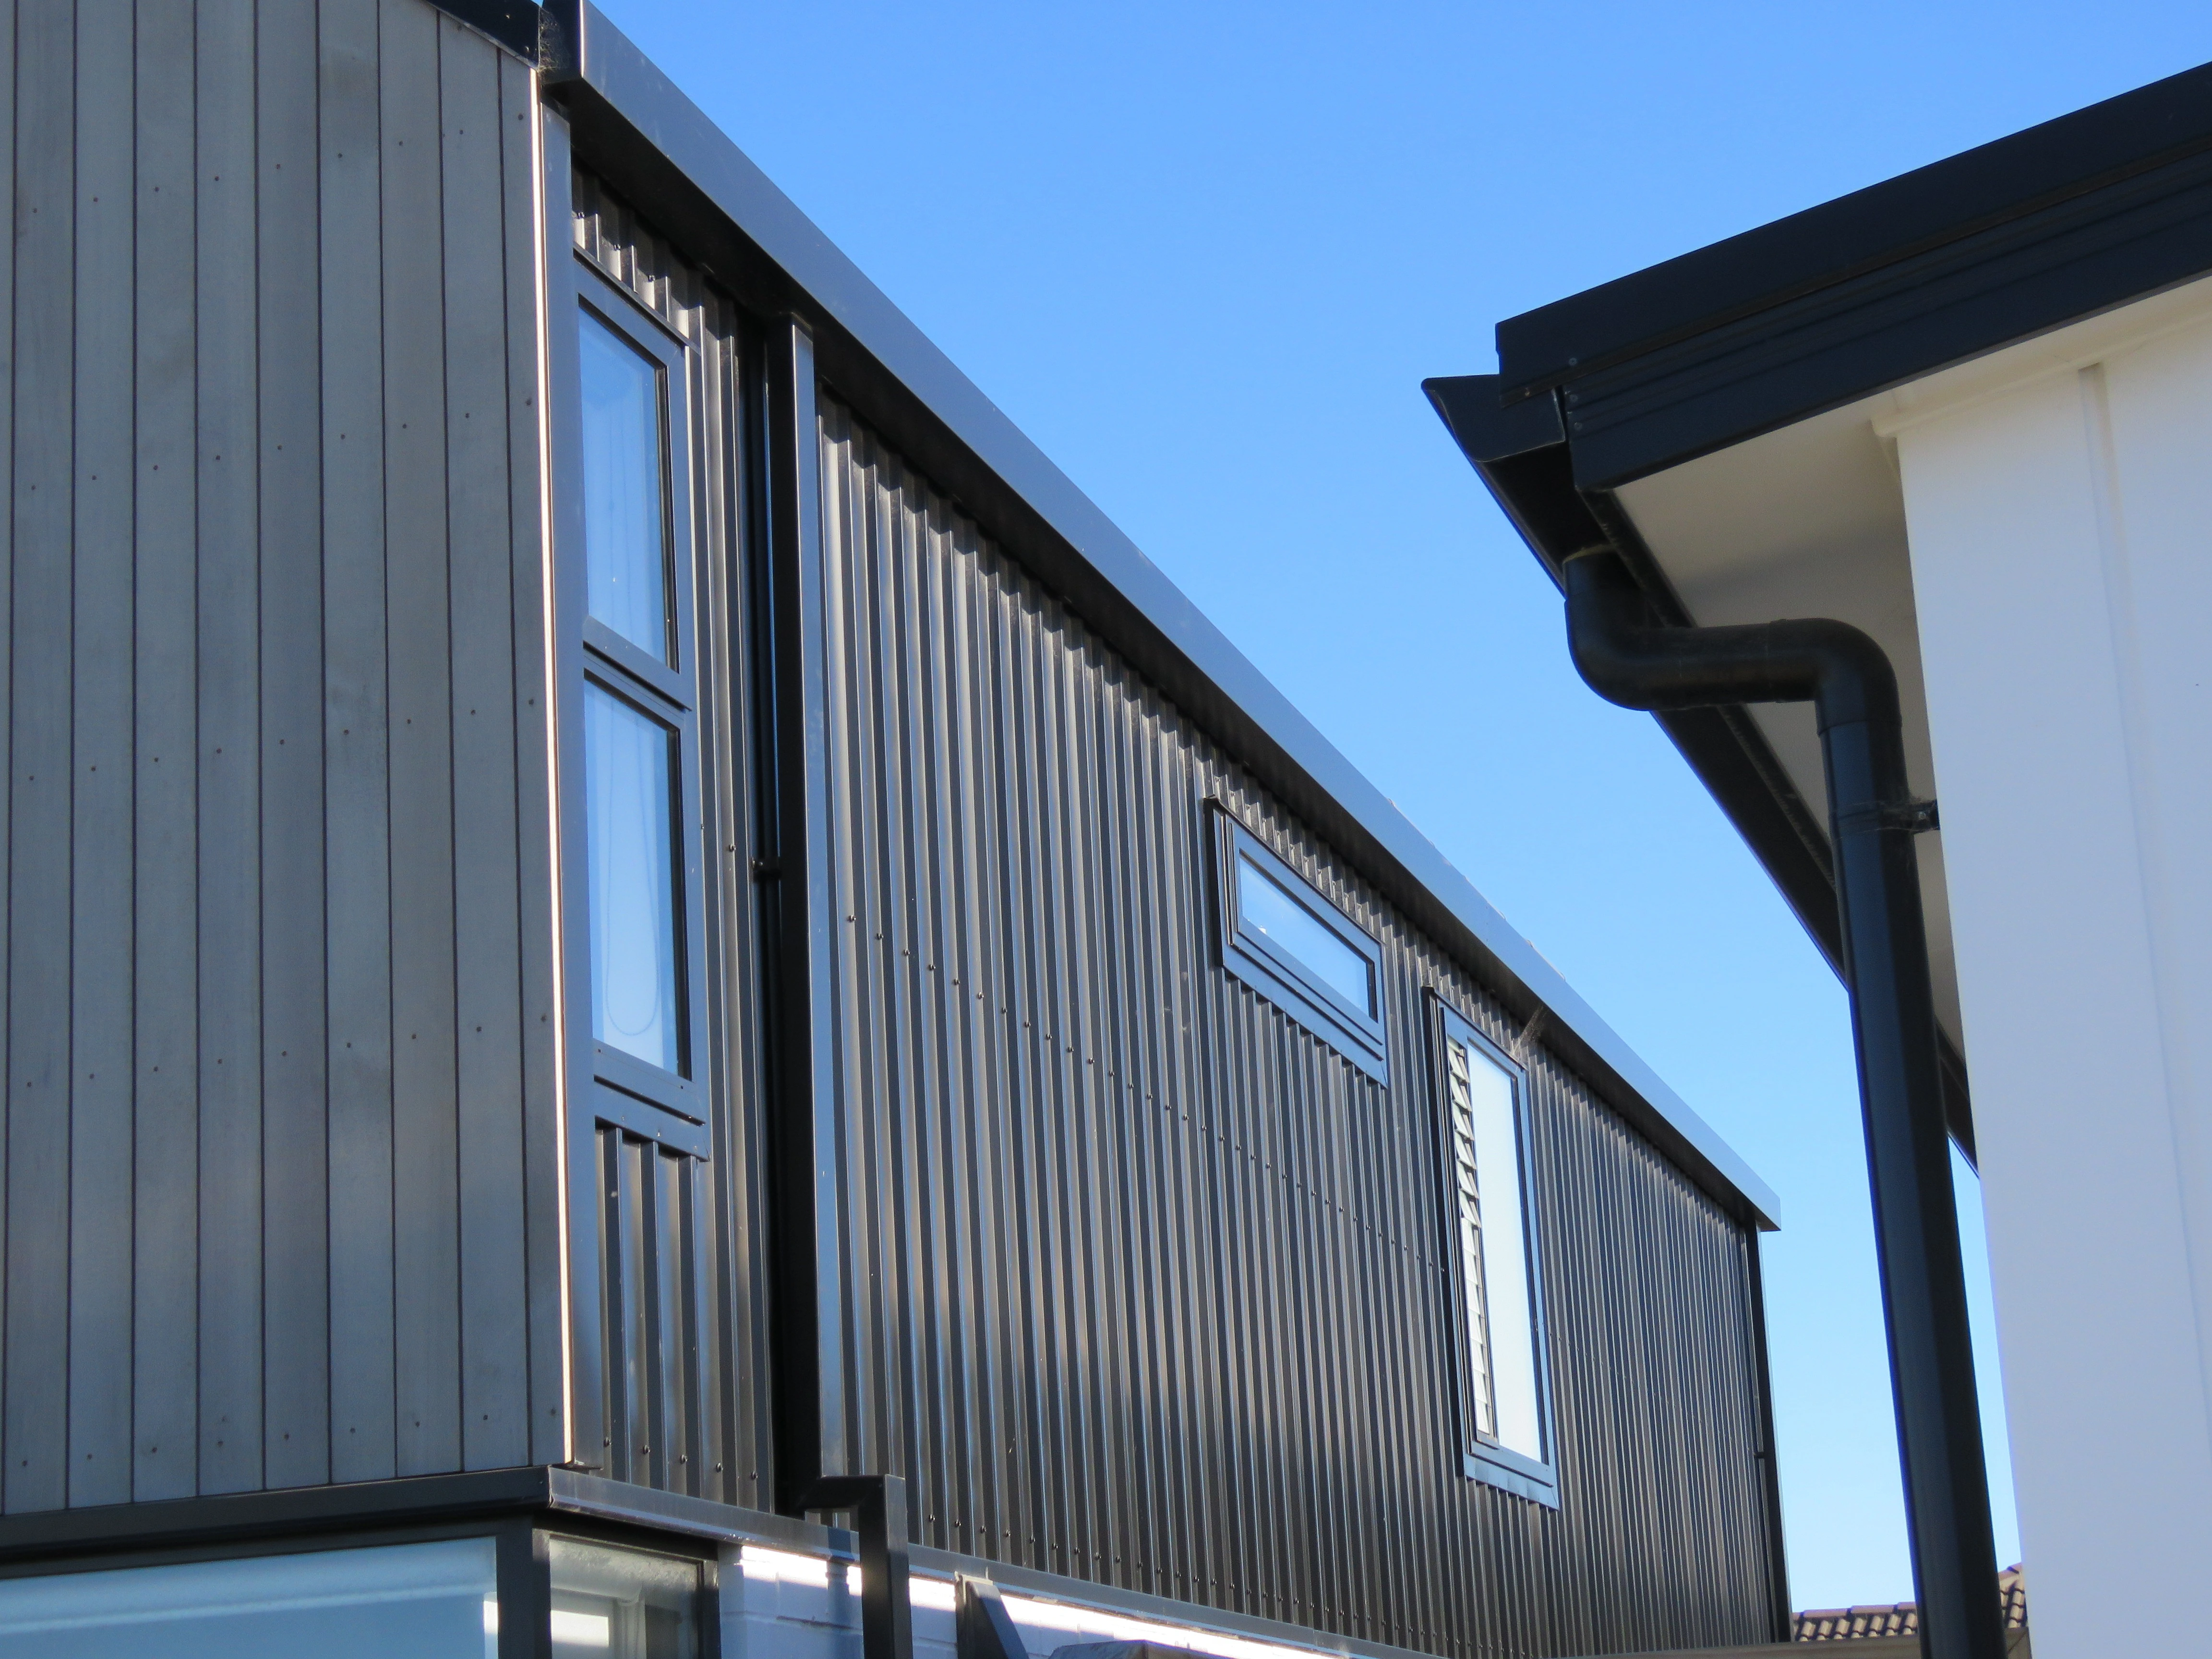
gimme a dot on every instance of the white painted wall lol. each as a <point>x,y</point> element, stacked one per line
<point>2061,530</point>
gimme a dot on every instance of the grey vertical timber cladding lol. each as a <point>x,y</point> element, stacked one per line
<point>100,901</point>
<point>357,706</point>
<point>1146,1285</point>
<point>486,881</point>
<point>279,965</point>
<point>295,1427</point>
<point>165,1229</point>
<point>425,1110</point>
<point>704,1376</point>
<point>34,1394</point>
<point>230,782</point>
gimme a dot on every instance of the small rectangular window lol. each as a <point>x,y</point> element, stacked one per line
<point>1494,1265</point>
<point>1291,946</point>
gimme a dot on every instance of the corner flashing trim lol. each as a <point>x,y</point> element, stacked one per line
<point>517,25</point>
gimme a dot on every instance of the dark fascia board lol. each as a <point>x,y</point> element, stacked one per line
<point>1880,225</point>
<point>1521,452</point>
<point>1894,282</point>
<point>629,121</point>
<point>419,1500</point>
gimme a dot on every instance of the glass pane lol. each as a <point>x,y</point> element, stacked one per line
<point>623,1604</point>
<point>436,1601</point>
<point>1265,909</point>
<point>629,789</point>
<point>1506,1292</point>
<point>625,490</point>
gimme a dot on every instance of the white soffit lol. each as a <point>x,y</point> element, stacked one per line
<point>1806,521</point>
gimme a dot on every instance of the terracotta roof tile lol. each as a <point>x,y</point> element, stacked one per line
<point>1903,1619</point>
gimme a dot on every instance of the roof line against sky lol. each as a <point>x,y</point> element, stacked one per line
<point>624,99</point>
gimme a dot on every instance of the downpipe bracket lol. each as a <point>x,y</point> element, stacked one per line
<point>1914,817</point>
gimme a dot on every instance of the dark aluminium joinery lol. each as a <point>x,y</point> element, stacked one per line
<point>1291,946</point>
<point>1482,1100</point>
<point>640,729</point>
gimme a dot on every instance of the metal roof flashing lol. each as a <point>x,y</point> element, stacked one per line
<point>626,112</point>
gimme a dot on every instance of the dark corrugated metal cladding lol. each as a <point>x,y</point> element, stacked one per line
<point>1145,1284</point>
<point>701,1354</point>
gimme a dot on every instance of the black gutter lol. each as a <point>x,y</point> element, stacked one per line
<point>1894,282</point>
<point>1629,658</point>
<point>659,150</point>
<point>1521,453</point>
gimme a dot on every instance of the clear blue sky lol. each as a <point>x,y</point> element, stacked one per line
<point>1204,253</point>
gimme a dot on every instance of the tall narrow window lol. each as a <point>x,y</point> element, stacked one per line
<point>638,821</point>
<point>1495,1262</point>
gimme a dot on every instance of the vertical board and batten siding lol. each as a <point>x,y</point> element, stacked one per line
<point>1146,1285</point>
<point>281,1160</point>
<point>682,1241</point>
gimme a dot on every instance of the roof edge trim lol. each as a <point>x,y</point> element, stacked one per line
<point>625,105</point>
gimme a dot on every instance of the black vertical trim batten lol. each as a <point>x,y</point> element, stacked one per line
<point>809,1319</point>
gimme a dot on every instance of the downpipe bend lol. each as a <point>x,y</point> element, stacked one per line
<point>1628,657</point>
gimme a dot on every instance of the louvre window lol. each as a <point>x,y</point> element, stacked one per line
<point>1485,1138</point>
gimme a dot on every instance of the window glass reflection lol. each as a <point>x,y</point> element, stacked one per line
<point>432,1600</point>
<point>1502,1308</point>
<point>622,1604</point>
<point>625,489</point>
<point>630,785</point>
<point>1264,908</point>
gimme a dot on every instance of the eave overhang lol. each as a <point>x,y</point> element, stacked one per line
<point>1891,283</point>
<point>2092,211</point>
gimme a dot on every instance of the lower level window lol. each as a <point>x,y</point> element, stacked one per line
<point>1486,1134</point>
<point>429,1600</point>
<point>623,1604</point>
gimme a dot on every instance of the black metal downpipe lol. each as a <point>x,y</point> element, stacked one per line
<point>1872,818</point>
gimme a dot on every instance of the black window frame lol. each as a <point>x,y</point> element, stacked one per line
<point>1482,1458</point>
<point>629,1092</point>
<point>1360,1036</point>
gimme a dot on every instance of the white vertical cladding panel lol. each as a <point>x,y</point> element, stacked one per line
<point>2061,571</point>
